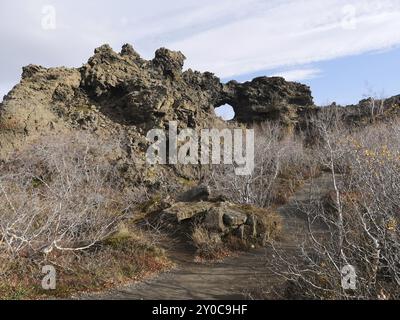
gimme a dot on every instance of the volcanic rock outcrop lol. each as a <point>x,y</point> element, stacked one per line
<point>121,92</point>
<point>268,99</point>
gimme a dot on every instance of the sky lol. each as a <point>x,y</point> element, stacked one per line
<point>343,49</point>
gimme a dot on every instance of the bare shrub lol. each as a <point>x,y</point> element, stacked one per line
<point>360,227</point>
<point>63,193</point>
<point>281,163</point>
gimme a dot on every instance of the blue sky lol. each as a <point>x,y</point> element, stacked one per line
<point>343,49</point>
<point>347,80</point>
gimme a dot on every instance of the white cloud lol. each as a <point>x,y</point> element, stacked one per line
<point>298,74</point>
<point>228,37</point>
<point>293,33</point>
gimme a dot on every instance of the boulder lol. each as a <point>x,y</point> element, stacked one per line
<point>234,218</point>
<point>199,193</point>
<point>213,220</point>
<point>223,218</point>
<point>182,211</point>
<point>215,217</point>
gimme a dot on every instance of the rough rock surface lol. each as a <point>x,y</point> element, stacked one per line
<point>268,98</point>
<point>182,211</point>
<point>234,218</point>
<point>116,93</point>
<point>122,95</point>
<point>216,217</point>
<point>199,193</point>
<point>30,108</point>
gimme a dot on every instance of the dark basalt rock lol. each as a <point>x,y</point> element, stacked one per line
<point>143,92</point>
<point>30,70</point>
<point>122,91</point>
<point>139,95</point>
<point>170,63</point>
<point>199,193</point>
<point>268,99</point>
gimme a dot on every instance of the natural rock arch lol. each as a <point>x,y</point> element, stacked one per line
<point>118,91</point>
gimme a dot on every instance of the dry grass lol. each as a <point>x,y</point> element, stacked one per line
<point>120,259</point>
<point>209,245</point>
<point>269,222</point>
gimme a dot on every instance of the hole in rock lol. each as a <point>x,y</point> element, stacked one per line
<point>226,112</point>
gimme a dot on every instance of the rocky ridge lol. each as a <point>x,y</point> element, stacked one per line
<point>116,93</point>
<point>123,94</point>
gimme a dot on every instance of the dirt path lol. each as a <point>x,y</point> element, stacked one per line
<point>233,277</point>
